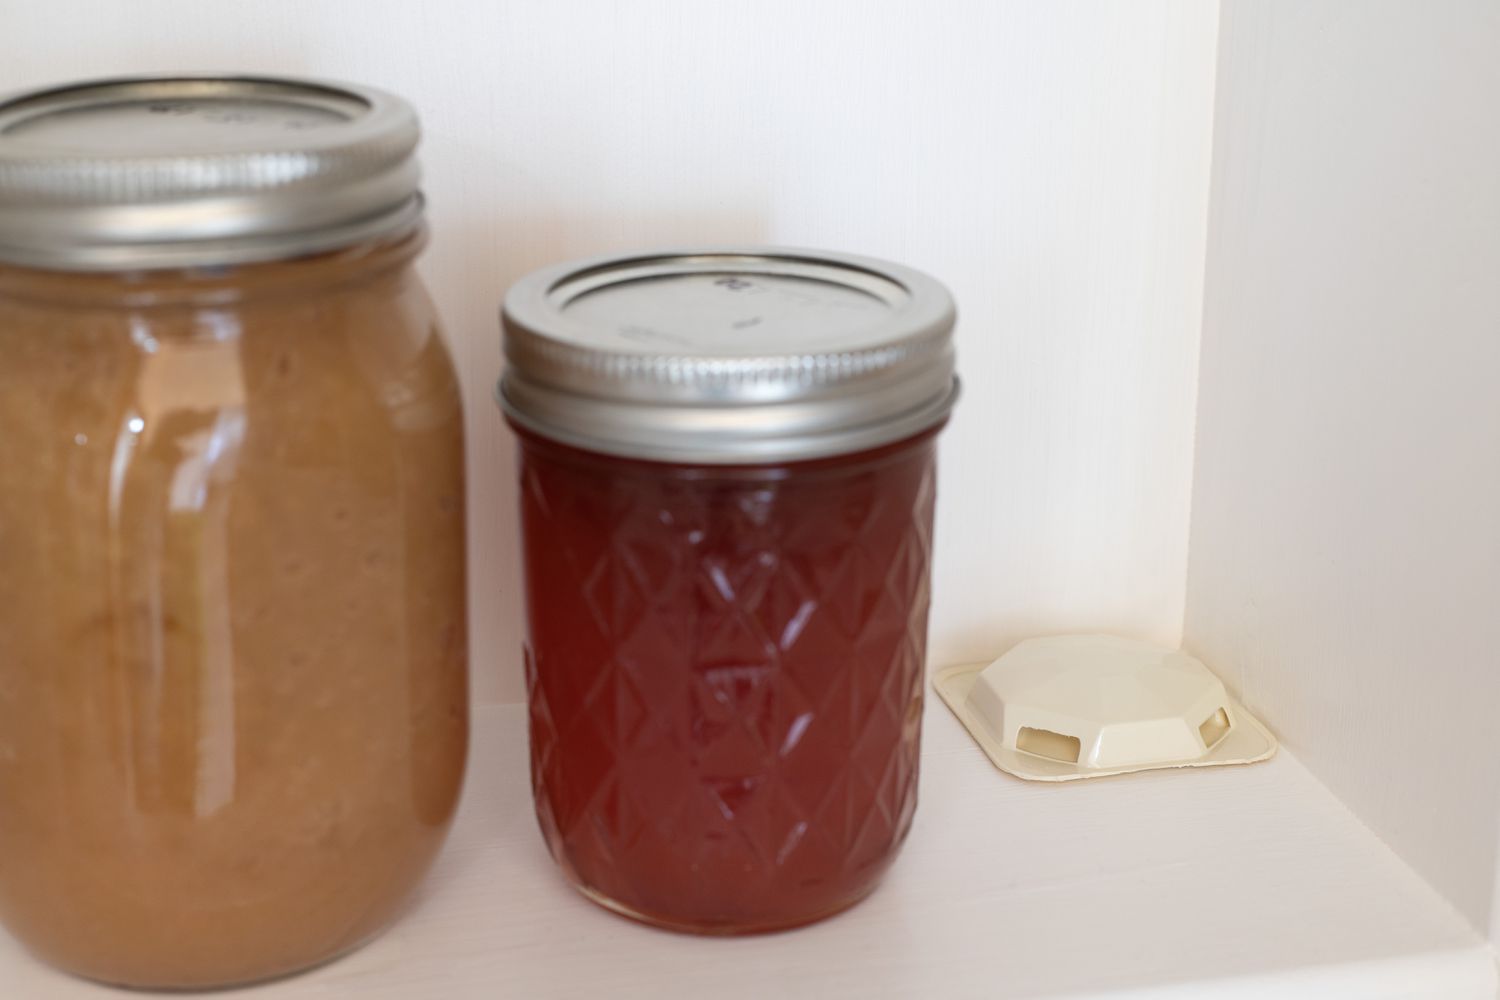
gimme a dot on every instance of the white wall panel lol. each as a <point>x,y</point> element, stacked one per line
<point>1345,560</point>
<point>1048,160</point>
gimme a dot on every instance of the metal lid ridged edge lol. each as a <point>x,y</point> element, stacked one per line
<point>97,212</point>
<point>718,409</point>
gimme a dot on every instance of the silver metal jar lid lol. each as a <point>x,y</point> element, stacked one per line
<point>728,356</point>
<point>201,170</point>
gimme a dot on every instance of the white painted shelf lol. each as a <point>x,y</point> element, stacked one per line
<point>1221,882</point>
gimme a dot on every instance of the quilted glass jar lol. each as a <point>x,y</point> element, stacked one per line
<point>727,480</point>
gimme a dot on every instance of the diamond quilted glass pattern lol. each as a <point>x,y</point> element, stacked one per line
<point>725,674</point>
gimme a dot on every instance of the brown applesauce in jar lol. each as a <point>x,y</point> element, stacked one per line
<point>233,674</point>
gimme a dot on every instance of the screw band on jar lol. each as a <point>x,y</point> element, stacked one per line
<point>728,356</point>
<point>239,170</point>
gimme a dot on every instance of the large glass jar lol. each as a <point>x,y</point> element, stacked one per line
<point>727,484</point>
<point>233,676</point>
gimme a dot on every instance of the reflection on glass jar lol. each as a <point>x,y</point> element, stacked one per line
<point>233,679</point>
<point>727,485</point>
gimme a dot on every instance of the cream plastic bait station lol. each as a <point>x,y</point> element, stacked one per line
<point>1084,706</point>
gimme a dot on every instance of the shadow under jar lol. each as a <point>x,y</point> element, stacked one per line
<point>726,483</point>
<point>233,676</point>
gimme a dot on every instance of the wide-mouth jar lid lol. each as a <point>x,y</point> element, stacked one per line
<point>180,171</point>
<point>736,355</point>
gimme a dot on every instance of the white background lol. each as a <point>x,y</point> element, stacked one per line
<point>1345,568</point>
<point>1049,161</point>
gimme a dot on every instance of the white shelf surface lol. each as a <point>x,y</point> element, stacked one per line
<point>1218,882</point>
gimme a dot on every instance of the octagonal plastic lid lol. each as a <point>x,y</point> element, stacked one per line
<point>1079,706</point>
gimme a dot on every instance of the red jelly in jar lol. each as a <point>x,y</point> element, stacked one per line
<point>727,482</point>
